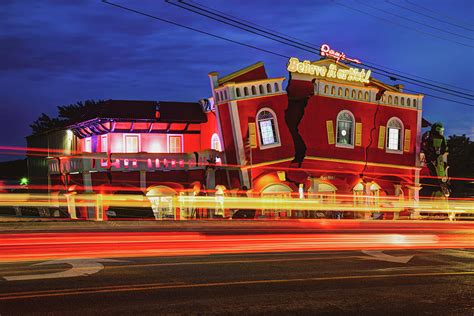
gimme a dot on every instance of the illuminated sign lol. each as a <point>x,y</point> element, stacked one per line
<point>328,52</point>
<point>351,74</point>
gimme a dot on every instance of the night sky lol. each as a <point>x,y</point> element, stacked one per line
<point>58,52</point>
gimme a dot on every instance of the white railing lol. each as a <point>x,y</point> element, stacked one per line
<point>250,89</point>
<point>100,162</point>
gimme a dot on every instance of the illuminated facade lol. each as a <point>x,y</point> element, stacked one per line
<point>333,130</point>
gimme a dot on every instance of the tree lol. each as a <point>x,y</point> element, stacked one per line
<point>461,165</point>
<point>67,115</point>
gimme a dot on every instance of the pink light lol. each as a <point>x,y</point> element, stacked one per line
<point>157,163</point>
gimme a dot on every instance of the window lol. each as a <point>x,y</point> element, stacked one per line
<point>254,91</point>
<point>277,88</point>
<point>359,95</point>
<point>408,102</point>
<point>394,135</point>
<point>339,92</point>
<point>225,95</point>
<point>346,93</point>
<point>269,88</point>
<point>345,129</point>
<point>366,96</point>
<point>395,101</point>
<point>326,89</point>
<point>353,94</point>
<point>132,143</point>
<point>88,145</point>
<point>333,90</point>
<point>103,143</point>
<point>238,92</point>
<point>390,99</point>
<point>215,142</point>
<point>175,144</point>
<point>268,128</point>
<point>246,91</point>
<point>260,89</point>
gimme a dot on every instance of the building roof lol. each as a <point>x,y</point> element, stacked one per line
<point>188,112</point>
<point>253,72</point>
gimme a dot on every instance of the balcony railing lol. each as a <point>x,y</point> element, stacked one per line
<point>100,162</point>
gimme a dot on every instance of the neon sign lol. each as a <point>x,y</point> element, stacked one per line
<point>328,52</point>
<point>306,67</point>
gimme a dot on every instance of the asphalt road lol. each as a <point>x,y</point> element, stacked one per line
<point>429,281</point>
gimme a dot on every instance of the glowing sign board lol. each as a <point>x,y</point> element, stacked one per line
<point>333,71</point>
<point>326,51</point>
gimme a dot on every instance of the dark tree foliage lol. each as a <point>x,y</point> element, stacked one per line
<point>67,115</point>
<point>461,156</point>
<point>461,165</point>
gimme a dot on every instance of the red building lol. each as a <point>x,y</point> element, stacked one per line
<point>333,131</point>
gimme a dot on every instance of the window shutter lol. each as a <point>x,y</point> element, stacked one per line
<point>252,135</point>
<point>382,137</point>
<point>330,131</point>
<point>406,146</point>
<point>358,135</point>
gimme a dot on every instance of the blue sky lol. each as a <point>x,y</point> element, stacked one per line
<point>57,52</point>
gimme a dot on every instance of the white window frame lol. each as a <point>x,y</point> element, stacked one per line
<point>275,124</point>
<point>168,142</point>
<point>102,137</point>
<point>402,130</point>
<point>87,148</point>
<point>352,129</point>
<point>125,143</point>
<point>215,137</point>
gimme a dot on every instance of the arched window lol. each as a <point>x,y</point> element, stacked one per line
<point>215,142</point>
<point>260,89</point>
<point>414,103</point>
<point>346,93</point>
<point>339,92</point>
<point>254,90</point>
<point>353,94</point>
<point>359,95</point>
<point>237,91</point>
<point>246,91</point>
<point>217,97</point>
<point>408,102</point>
<point>402,101</point>
<point>225,95</point>
<point>366,96</point>
<point>269,88</point>
<point>394,135</point>
<point>326,89</point>
<point>267,128</point>
<point>277,88</point>
<point>333,90</point>
<point>389,99</point>
<point>345,129</point>
<point>395,101</point>
<point>383,98</point>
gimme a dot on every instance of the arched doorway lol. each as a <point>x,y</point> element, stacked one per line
<point>277,192</point>
<point>162,201</point>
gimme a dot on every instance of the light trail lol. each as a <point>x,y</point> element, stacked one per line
<point>270,204</point>
<point>46,246</point>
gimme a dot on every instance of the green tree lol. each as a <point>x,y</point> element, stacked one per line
<point>67,115</point>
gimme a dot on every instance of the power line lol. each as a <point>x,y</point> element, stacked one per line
<point>312,45</point>
<point>311,49</point>
<point>428,9</point>
<point>236,42</point>
<point>428,16</point>
<point>438,97</point>
<point>414,21</point>
<point>401,25</point>
<point>192,29</point>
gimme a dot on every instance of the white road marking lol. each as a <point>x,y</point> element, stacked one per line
<point>379,255</point>
<point>79,267</point>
